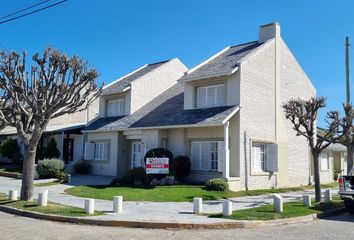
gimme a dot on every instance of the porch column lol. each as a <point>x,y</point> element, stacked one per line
<point>62,146</point>
<point>226,170</point>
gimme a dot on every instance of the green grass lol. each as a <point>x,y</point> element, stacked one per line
<point>46,184</point>
<point>11,169</point>
<point>51,208</point>
<point>291,209</point>
<point>175,193</point>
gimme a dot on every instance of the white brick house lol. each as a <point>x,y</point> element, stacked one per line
<point>225,114</point>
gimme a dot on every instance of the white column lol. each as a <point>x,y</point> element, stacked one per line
<point>90,206</point>
<point>278,203</point>
<point>307,200</point>
<point>197,205</point>
<point>62,146</point>
<point>118,204</point>
<point>226,171</point>
<point>328,195</point>
<point>43,198</point>
<point>227,208</point>
<point>13,195</point>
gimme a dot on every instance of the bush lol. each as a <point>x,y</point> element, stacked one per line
<point>10,149</point>
<point>62,177</point>
<point>217,184</point>
<point>50,168</point>
<point>336,174</point>
<point>82,167</point>
<point>181,167</point>
<point>138,176</point>
<point>51,151</point>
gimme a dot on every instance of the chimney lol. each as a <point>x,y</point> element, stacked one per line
<point>269,31</point>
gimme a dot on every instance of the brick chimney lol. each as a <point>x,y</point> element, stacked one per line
<point>269,31</point>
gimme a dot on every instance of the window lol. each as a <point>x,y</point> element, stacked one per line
<point>211,96</point>
<point>115,107</point>
<point>259,157</point>
<point>324,161</point>
<point>96,151</point>
<point>205,155</point>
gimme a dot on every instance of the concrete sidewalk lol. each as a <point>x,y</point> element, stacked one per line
<point>147,211</point>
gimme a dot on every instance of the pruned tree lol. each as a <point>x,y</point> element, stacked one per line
<point>303,115</point>
<point>54,85</point>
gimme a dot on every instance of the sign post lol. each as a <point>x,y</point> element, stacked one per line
<point>157,166</point>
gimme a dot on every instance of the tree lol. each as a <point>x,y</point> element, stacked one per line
<point>55,85</point>
<point>51,151</point>
<point>303,115</point>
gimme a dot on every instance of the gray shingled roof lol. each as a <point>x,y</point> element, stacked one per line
<point>223,64</point>
<point>337,147</point>
<point>166,110</point>
<point>123,83</point>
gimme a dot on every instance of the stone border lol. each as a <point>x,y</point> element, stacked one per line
<point>171,225</point>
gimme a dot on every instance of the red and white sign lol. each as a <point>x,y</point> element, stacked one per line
<point>157,166</point>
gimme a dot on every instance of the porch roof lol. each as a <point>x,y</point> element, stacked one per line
<point>165,111</point>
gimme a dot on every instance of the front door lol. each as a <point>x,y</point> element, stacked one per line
<point>137,155</point>
<point>68,150</point>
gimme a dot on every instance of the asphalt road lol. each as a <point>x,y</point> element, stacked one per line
<point>14,227</point>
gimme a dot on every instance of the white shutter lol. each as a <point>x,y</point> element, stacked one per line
<point>271,161</point>
<point>105,151</point>
<point>201,97</point>
<point>110,108</point>
<point>195,155</point>
<point>205,156</point>
<point>221,156</point>
<point>89,151</point>
<point>121,107</point>
<point>220,95</point>
<point>211,96</point>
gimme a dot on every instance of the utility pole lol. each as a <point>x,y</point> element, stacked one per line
<point>347,69</point>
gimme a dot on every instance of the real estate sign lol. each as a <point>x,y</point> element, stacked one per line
<point>157,165</point>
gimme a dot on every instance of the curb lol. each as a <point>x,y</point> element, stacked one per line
<point>11,175</point>
<point>171,225</point>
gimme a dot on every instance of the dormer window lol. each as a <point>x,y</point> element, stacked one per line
<point>115,107</point>
<point>211,96</point>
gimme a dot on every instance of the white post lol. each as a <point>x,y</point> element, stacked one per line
<point>90,206</point>
<point>13,195</point>
<point>69,178</point>
<point>62,146</point>
<point>278,203</point>
<point>43,198</point>
<point>226,170</point>
<point>227,208</point>
<point>307,200</point>
<point>197,205</point>
<point>328,195</point>
<point>118,204</point>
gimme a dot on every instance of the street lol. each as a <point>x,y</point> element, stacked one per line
<point>14,227</point>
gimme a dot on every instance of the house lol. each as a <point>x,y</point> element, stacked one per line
<point>225,114</point>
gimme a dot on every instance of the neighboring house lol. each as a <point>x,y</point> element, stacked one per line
<point>225,114</point>
<point>66,130</point>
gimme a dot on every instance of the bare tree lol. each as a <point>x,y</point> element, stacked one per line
<point>303,115</point>
<point>55,85</point>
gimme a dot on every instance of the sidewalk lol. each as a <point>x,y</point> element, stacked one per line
<point>148,211</point>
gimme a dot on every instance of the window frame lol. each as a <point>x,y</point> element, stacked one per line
<point>327,160</point>
<point>120,112</point>
<point>102,154</point>
<point>263,158</point>
<point>210,152</point>
<point>208,88</point>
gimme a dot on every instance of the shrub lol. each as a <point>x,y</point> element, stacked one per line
<point>82,167</point>
<point>51,151</point>
<point>182,167</point>
<point>62,177</point>
<point>49,168</point>
<point>217,184</point>
<point>138,176</point>
<point>336,174</point>
<point>10,149</point>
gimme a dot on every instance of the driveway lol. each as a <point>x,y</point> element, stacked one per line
<point>19,228</point>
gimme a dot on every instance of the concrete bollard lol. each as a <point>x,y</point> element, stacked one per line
<point>278,203</point>
<point>227,208</point>
<point>43,198</point>
<point>13,195</point>
<point>90,206</point>
<point>307,200</point>
<point>328,195</point>
<point>197,205</point>
<point>118,204</point>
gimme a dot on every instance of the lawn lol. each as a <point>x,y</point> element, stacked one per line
<point>11,169</point>
<point>175,193</point>
<point>46,184</point>
<point>291,209</point>
<point>52,208</point>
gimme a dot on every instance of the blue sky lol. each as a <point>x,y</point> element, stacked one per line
<point>119,36</point>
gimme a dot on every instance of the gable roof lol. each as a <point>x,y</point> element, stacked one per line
<point>122,83</point>
<point>223,63</point>
<point>165,111</point>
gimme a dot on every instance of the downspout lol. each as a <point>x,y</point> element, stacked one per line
<point>226,170</point>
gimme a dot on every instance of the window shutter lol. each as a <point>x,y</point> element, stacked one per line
<point>105,151</point>
<point>110,108</point>
<point>195,155</point>
<point>205,156</point>
<point>271,161</point>
<point>121,107</point>
<point>201,97</point>
<point>211,96</point>
<point>89,151</point>
<point>221,156</point>
<point>220,96</point>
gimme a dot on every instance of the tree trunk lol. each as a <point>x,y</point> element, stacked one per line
<point>349,158</point>
<point>28,172</point>
<point>317,177</point>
